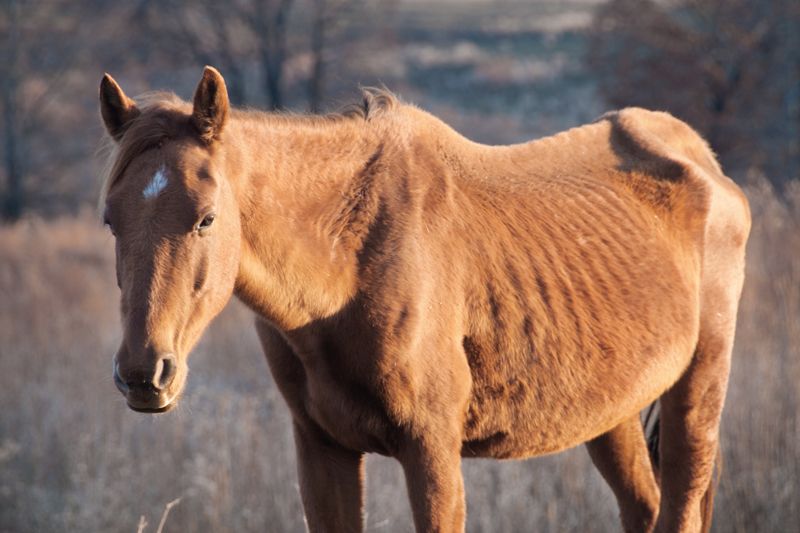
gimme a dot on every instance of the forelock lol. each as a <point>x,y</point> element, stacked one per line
<point>163,116</point>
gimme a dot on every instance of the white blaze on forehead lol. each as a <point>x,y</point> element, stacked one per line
<point>156,184</point>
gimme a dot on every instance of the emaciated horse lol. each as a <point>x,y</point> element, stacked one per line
<point>429,298</point>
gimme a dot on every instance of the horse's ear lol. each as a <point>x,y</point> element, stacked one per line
<point>210,105</point>
<point>116,108</point>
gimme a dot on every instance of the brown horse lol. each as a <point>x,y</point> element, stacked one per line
<point>428,298</point>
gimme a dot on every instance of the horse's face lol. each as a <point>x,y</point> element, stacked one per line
<point>176,224</point>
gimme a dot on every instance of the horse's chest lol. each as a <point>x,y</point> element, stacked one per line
<point>350,414</point>
<point>344,403</point>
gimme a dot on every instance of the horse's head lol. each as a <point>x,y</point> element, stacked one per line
<point>175,218</point>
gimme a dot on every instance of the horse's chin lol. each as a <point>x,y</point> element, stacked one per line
<point>151,410</point>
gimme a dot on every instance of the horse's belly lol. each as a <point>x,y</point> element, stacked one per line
<point>545,407</point>
<point>561,355</point>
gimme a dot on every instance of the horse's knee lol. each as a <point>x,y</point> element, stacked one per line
<point>435,484</point>
<point>640,516</point>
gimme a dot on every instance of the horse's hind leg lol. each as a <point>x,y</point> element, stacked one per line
<point>622,458</point>
<point>691,412</point>
<point>690,416</point>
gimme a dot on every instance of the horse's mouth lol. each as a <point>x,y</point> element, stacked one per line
<point>152,410</point>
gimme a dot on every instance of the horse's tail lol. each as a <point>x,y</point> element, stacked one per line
<point>652,433</point>
<point>707,503</point>
<point>652,428</point>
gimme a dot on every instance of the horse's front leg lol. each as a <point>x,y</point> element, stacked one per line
<point>331,483</point>
<point>432,466</point>
<point>331,477</point>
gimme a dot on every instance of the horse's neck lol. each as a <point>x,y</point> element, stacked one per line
<point>301,186</point>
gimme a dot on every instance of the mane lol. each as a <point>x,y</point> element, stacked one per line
<point>375,102</point>
<point>160,106</point>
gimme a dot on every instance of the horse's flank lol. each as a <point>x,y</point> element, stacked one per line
<point>423,296</point>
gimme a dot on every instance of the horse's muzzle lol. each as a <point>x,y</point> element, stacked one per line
<point>149,395</point>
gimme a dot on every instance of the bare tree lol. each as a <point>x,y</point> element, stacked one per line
<point>39,47</point>
<point>319,25</point>
<point>707,61</point>
<point>328,20</point>
<point>231,35</point>
<point>255,34</point>
<point>269,24</point>
<point>13,195</point>
<point>207,32</point>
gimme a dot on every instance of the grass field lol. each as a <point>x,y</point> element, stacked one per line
<point>74,458</point>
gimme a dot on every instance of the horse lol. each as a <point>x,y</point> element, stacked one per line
<point>429,298</point>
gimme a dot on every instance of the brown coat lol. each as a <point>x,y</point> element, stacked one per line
<point>426,297</point>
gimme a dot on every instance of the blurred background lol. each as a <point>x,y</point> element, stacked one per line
<point>74,458</point>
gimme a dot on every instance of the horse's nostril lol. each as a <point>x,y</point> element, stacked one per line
<point>166,368</point>
<point>143,381</point>
<point>121,385</point>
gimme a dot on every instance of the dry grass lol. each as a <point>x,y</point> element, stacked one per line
<point>74,458</point>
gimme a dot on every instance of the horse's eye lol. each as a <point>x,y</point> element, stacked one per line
<point>206,222</point>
